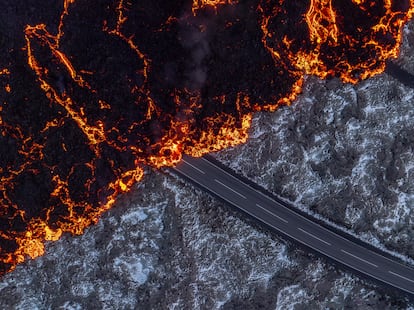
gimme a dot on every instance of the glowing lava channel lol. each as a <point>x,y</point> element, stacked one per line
<point>148,85</point>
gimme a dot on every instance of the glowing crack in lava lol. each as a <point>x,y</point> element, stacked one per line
<point>108,87</point>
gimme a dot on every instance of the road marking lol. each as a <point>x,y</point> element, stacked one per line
<point>294,213</point>
<point>226,172</point>
<point>264,209</point>
<point>249,187</point>
<point>198,169</point>
<point>402,277</point>
<point>328,254</point>
<point>236,192</point>
<point>312,235</point>
<point>361,259</point>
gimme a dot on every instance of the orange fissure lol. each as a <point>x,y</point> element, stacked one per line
<point>114,86</point>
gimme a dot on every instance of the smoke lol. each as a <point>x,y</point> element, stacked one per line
<point>194,37</point>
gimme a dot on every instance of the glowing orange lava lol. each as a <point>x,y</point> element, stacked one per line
<point>337,35</point>
<point>202,4</point>
<point>124,85</point>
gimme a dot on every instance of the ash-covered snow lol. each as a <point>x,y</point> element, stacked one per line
<point>343,152</point>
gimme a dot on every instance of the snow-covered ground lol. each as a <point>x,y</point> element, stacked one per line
<point>344,153</point>
<point>341,151</point>
<point>170,246</point>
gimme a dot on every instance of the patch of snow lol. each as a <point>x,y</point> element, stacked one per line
<point>133,268</point>
<point>134,217</point>
<point>29,304</point>
<point>83,289</point>
<point>290,296</point>
<point>70,305</point>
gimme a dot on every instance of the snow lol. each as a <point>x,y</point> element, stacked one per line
<point>222,258</point>
<point>82,289</point>
<point>133,218</point>
<point>133,268</point>
<point>290,296</point>
<point>347,153</point>
<point>70,305</point>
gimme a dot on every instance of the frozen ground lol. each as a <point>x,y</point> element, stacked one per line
<point>169,246</point>
<point>344,152</point>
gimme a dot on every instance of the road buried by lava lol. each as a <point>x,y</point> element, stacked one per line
<point>93,91</point>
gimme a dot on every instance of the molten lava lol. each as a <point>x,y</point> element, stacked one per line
<point>108,87</point>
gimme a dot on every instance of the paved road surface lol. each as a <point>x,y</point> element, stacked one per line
<point>400,74</point>
<point>277,216</point>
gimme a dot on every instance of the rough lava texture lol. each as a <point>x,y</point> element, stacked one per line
<point>341,151</point>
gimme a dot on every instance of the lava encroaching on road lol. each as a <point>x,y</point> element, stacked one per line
<point>98,90</point>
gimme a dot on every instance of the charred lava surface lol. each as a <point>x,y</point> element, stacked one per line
<point>92,91</point>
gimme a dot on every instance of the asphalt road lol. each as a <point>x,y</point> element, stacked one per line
<point>400,74</point>
<point>282,219</point>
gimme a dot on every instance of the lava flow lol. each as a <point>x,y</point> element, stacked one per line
<point>94,91</point>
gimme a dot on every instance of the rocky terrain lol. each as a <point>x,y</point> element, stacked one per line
<point>342,152</point>
<point>170,246</point>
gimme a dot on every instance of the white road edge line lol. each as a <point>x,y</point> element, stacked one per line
<point>191,165</point>
<point>312,235</point>
<point>301,241</point>
<point>306,219</point>
<point>361,259</point>
<point>402,277</point>
<point>236,192</point>
<point>264,209</point>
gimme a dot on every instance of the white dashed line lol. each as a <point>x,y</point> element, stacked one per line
<point>236,192</point>
<point>361,259</point>
<point>327,253</point>
<point>313,236</point>
<point>402,277</point>
<point>194,167</point>
<point>264,209</point>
